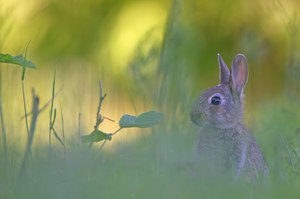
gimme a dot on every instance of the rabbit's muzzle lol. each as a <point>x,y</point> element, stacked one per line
<point>198,118</point>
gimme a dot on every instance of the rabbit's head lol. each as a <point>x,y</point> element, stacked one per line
<point>222,105</point>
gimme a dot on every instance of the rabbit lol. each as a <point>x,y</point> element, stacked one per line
<point>223,137</point>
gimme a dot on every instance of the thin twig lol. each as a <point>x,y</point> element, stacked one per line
<point>99,118</point>
<point>31,134</point>
<point>45,105</point>
<point>101,94</point>
<point>114,133</point>
<point>34,115</point>
<point>117,131</point>
<point>108,119</point>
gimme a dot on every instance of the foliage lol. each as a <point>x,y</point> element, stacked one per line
<point>96,136</point>
<point>144,120</point>
<point>17,60</point>
<point>159,163</point>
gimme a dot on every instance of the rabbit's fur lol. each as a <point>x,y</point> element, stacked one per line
<point>223,137</point>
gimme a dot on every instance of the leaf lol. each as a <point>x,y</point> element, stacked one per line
<point>18,60</point>
<point>144,120</point>
<point>57,137</point>
<point>96,136</point>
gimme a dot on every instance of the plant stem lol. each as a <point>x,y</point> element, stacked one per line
<point>2,122</point>
<point>51,110</point>
<point>62,128</point>
<point>102,145</point>
<point>117,131</point>
<point>25,109</point>
<point>114,133</point>
<point>45,105</point>
<point>99,117</point>
<point>79,133</point>
<point>31,134</point>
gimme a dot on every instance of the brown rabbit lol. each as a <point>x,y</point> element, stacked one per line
<point>223,137</point>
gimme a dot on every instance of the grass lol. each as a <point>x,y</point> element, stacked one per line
<point>160,162</point>
<point>156,163</point>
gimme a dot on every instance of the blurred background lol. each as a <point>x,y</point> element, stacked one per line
<point>149,54</point>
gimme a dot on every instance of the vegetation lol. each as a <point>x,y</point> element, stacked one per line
<point>56,149</point>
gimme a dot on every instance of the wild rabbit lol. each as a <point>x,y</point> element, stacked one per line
<point>223,137</point>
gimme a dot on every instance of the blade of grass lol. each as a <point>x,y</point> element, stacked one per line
<point>53,117</point>
<point>25,110</point>
<point>63,129</point>
<point>23,91</point>
<point>3,128</point>
<point>51,109</point>
<point>79,128</point>
<point>3,125</point>
<point>57,137</point>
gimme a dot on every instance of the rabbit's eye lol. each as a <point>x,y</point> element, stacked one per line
<point>215,100</point>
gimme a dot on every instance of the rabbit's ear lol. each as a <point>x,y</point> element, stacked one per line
<point>224,71</point>
<point>239,73</point>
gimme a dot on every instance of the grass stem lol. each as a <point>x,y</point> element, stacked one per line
<point>51,111</point>
<point>23,170</point>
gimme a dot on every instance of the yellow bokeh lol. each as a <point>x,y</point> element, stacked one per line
<point>134,21</point>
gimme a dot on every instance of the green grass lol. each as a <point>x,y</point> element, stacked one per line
<point>158,163</point>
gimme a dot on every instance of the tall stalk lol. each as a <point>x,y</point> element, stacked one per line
<point>2,122</point>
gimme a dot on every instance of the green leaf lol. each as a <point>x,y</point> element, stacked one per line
<point>96,136</point>
<point>144,120</point>
<point>18,60</point>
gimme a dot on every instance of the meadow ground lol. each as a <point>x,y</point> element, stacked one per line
<point>160,62</point>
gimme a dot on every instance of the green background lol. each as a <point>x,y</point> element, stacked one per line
<point>149,55</point>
